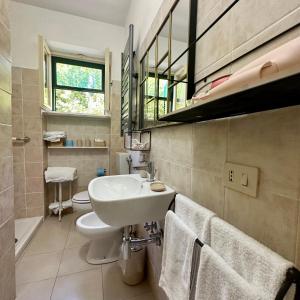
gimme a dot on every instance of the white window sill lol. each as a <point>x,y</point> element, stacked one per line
<point>79,115</point>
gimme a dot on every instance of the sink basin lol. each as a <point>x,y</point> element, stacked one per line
<point>127,200</point>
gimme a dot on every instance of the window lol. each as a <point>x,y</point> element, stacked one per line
<point>77,86</point>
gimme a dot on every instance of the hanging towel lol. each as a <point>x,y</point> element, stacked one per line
<point>195,216</point>
<point>262,268</point>
<point>218,281</point>
<point>60,174</point>
<point>177,258</point>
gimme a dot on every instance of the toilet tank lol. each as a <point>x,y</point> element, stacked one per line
<point>122,163</point>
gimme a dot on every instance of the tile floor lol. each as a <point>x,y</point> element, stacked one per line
<point>53,267</point>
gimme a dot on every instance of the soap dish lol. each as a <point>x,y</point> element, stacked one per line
<point>157,186</point>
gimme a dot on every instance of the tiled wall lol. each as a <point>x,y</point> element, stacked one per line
<point>191,157</point>
<point>7,247</point>
<point>88,160</point>
<point>28,157</point>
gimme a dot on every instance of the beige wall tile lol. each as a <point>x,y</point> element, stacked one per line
<point>5,140</point>
<point>180,139</point>
<point>16,105</point>
<point>36,140</point>
<point>298,241</point>
<point>208,190</point>
<point>32,125</point>
<point>17,90</point>
<point>31,108</point>
<point>34,169</point>
<point>210,146</point>
<point>266,140</point>
<point>35,185</point>
<point>275,218</point>
<point>19,201</point>
<point>7,236</point>
<point>6,204</point>
<point>30,77</point>
<point>16,75</point>
<point>35,211</point>
<point>7,275</point>
<point>31,93</point>
<point>18,154</point>
<point>33,154</point>
<point>180,179</point>
<point>17,126</point>
<point>6,173</point>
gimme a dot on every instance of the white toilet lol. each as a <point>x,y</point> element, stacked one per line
<point>81,201</point>
<point>105,239</point>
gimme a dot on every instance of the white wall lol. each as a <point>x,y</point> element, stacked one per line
<point>27,22</point>
<point>141,14</point>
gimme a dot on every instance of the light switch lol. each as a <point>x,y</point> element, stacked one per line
<point>244,180</point>
<point>241,178</point>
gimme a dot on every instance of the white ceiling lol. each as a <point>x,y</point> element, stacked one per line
<point>108,11</point>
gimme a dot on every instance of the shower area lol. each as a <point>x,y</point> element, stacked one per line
<point>29,157</point>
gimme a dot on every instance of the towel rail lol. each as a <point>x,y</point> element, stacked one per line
<point>292,274</point>
<point>292,277</point>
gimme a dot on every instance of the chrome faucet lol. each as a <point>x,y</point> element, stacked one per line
<point>151,171</point>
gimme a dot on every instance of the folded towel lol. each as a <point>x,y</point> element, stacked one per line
<point>60,174</point>
<point>262,268</point>
<point>195,216</point>
<point>53,136</point>
<point>216,280</point>
<point>177,258</point>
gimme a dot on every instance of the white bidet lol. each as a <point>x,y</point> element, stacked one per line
<point>105,239</point>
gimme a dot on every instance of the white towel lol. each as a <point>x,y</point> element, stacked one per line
<point>195,216</point>
<point>262,268</point>
<point>60,174</point>
<point>177,258</point>
<point>53,136</point>
<point>216,280</point>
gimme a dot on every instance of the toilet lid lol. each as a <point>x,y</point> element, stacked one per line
<point>82,197</point>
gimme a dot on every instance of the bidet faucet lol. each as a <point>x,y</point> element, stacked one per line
<point>151,171</point>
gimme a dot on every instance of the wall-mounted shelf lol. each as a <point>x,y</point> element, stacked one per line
<point>65,114</point>
<point>62,147</point>
<point>279,93</point>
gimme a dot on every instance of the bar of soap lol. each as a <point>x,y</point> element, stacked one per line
<point>157,186</point>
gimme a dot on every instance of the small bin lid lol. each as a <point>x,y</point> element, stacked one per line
<point>81,197</point>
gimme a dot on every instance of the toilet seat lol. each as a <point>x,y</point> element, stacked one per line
<point>81,198</point>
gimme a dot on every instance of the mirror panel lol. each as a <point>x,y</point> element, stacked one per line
<point>166,87</point>
<point>180,29</point>
<point>163,42</point>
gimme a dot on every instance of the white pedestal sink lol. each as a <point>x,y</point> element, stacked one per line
<point>124,200</point>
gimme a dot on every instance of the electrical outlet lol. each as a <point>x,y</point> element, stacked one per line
<point>230,175</point>
<point>241,178</point>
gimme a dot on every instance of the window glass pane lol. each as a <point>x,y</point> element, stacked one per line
<point>179,96</point>
<point>78,76</point>
<point>150,87</point>
<point>163,88</point>
<point>149,110</point>
<point>79,102</point>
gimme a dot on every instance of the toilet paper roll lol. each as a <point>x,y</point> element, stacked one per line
<point>101,172</point>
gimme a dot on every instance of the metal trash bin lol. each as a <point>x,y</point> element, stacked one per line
<point>133,269</point>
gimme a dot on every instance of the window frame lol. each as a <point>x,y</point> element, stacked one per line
<point>74,62</point>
